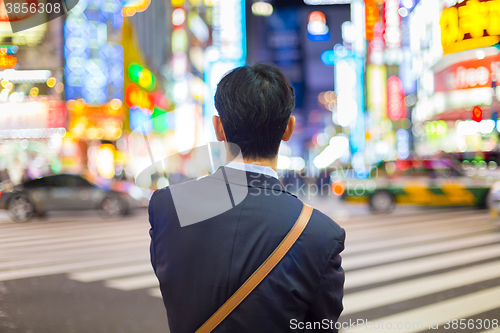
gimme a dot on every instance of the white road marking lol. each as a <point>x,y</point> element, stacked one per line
<point>398,270</point>
<point>459,307</point>
<point>119,246</point>
<point>109,273</point>
<point>64,268</point>
<point>418,251</point>
<point>375,245</point>
<point>427,227</point>
<point>411,220</point>
<point>134,282</point>
<point>407,290</point>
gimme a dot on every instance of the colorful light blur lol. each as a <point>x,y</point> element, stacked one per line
<point>97,77</point>
<point>338,188</point>
<point>134,96</point>
<point>261,8</point>
<point>464,27</point>
<point>131,7</point>
<point>396,108</point>
<point>228,51</point>
<point>317,30</point>
<point>142,76</point>
<point>106,161</point>
<point>7,61</point>
<point>338,146</point>
<point>371,18</point>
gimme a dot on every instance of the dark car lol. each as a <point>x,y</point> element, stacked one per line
<point>62,192</point>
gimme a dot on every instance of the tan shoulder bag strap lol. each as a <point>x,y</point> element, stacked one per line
<point>261,272</point>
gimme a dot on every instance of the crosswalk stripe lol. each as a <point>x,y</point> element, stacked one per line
<point>69,228</point>
<point>82,249</point>
<point>398,215</point>
<point>133,283</point>
<point>394,293</point>
<point>52,221</point>
<point>407,221</point>
<point>402,230</point>
<point>48,239</point>
<point>458,307</point>
<point>367,276</point>
<point>62,258</point>
<point>64,268</point>
<point>77,244</point>
<point>375,245</point>
<point>343,216</point>
<point>109,273</point>
<point>377,258</point>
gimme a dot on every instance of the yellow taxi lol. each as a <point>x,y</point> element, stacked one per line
<point>432,182</point>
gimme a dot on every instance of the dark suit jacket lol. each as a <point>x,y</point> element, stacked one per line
<point>201,265</point>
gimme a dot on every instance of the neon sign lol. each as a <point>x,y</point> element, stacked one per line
<point>477,114</point>
<point>140,120</point>
<point>135,97</point>
<point>372,17</point>
<point>396,108</point>
<point>142,76</point>
<point>392,18</point>
<point>468,74</point>
<point>130,7</point>
<point>8,49</point>
<point>403,143</point>
<point>376,77</point>
<point>7,61</point>
<point>470,24</point>
<point>317,30</point>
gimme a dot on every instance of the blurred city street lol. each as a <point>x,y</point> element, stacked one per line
<point>79,273</point>
<point>396,137</point>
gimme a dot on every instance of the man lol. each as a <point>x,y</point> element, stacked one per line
<point>202,264</point>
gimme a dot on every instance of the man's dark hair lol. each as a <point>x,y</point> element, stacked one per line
<point>254,105</point>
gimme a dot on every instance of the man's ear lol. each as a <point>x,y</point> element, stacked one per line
<point>219,130</point>
<point>289,129</point>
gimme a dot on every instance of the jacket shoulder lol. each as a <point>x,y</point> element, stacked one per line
<point>326,228</point>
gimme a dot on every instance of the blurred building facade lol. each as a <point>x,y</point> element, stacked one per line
<point>116,86</point>
<point>33,116</point>
<point>456,61</point>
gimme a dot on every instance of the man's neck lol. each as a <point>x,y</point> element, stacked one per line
<point>271,163</point>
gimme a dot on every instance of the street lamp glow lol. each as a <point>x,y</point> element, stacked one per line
<point>262,9</point>
<point>337,147</point>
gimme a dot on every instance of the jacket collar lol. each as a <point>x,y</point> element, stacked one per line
<point>253,179</point>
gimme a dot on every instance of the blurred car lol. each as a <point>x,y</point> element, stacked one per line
<point>432,182</point>
<point>63,192</point>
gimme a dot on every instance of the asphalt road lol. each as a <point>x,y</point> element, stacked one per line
<point>78,273</point>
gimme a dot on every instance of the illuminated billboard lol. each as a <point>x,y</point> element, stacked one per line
<point>470,24</point>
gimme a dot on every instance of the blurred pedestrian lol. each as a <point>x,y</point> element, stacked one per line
<point>202,264</point>
<point>26,176</point>
<point>4,175</point>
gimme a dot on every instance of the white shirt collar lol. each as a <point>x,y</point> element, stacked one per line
<point>253,168</point>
